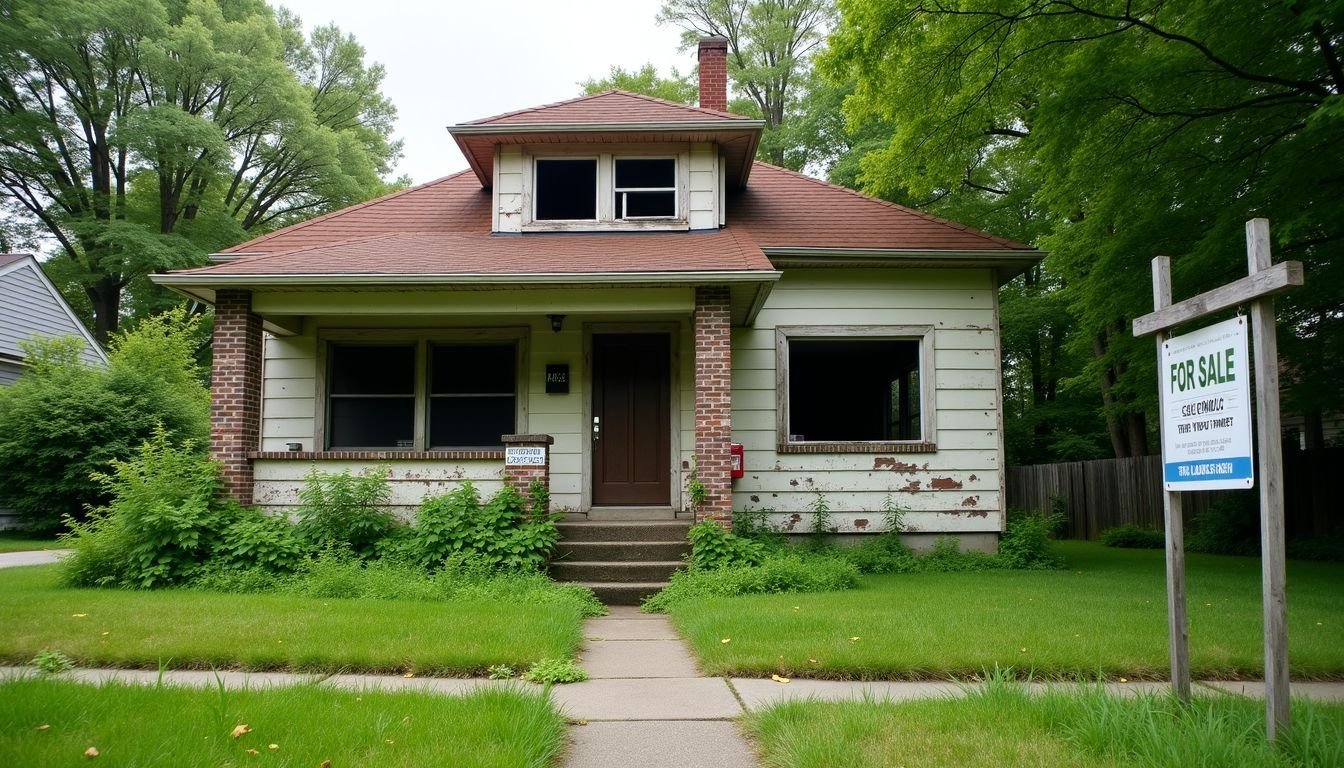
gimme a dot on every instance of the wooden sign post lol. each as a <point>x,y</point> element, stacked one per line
<point>1263,282</point>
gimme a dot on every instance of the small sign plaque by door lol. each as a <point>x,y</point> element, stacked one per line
<point>557,379</point>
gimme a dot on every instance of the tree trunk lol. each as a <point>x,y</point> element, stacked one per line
<point>105,296</point>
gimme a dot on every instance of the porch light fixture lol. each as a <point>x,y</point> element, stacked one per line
<point>557,321</point>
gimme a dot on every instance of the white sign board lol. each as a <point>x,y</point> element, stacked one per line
<point>525,456</point>
<point>1206,409</point>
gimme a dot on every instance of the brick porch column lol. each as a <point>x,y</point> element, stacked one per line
<point>235,391</point>
<point>713,402</point>
<point>521,475</point>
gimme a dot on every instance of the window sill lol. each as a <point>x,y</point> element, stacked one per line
<point>487,454</point>
<point>857,447</point>
<point>659,225</point>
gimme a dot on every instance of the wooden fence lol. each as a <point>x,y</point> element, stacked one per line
<point>1110,492</point>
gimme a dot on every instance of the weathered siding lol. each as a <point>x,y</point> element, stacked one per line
<point>278,481</point>
<point>955,488</point>
<point>28,307</point>
<point>509,195</point>
<point>703,208</point>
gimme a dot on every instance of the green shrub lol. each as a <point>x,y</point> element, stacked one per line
<point>63,420</point>
<point>821,522</point>
<point>1325,548</point>
<point>1025,544</point>
<point>1131,536</point>
<point>1230,526</point>
<point>947,557</point>
<point>50,662</point>
<point>500,531</point>
<point>345,511</point>
<point>239,581</point>
<point>777,574</point>
<point>162,523</point>
<point>713,547</point>
<point>553,671</point>
<point>883,553</point>
<point>255,539</point>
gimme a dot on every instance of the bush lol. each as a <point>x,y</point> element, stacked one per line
<point>1230,526</point>
<point>712,547</point>
<point>344,511</point>
<point>777,574</point>
<point>163,521</point>
<point>1025,544</point>
<point>1131,536</point>
<point>255,539</point>
<point>500,531</point>
<point>883,553</point>
<point>64,420</point>
<point>1326,548</point>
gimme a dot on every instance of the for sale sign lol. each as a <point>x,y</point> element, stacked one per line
<point>1206,409</point>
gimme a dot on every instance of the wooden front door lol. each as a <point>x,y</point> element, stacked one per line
<point>631,420</point>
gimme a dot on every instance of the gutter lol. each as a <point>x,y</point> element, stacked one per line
<point>1019,254</point>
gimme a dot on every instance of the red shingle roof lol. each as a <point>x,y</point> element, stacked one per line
<point>617,107</point>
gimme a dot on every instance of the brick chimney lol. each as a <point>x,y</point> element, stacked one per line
<point>714,73</point>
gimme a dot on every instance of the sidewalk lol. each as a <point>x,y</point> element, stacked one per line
<point>32,557</point>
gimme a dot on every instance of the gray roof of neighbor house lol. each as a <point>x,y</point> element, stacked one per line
<point>31,306</point>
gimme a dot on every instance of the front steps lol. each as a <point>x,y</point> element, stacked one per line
<point>622,561</point>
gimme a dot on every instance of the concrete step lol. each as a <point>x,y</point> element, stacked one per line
<point>623,593</point>
<point>613,570</point>
<point>666,530</point>
<point>646,514</point>
<point>626,551</point>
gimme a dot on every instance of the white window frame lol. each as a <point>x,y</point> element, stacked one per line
<point>597,188</point>
<point>924,334</point>
<point>675,189</point>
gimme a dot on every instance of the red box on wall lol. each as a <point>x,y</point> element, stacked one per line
<point>739,459</point>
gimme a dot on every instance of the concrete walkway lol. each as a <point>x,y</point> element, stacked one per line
<point>32,557</point>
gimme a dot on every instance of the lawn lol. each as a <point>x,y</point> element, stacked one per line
<point>17,541</point>
<point>187,629</point>
<point>1007,726</point>
<point>50,722</point>
<point>1105,615</point>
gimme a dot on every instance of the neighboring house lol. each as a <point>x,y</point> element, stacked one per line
<point>31,306</point>
<point>615,291</point>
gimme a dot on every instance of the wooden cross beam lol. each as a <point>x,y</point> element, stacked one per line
<point>1277,279</point>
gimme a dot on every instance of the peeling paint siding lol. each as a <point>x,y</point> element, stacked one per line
<point>704,191</point>
<point>509,192</point>
<point>960,306</point>
<point>278,482</point>
<point>915,522</point>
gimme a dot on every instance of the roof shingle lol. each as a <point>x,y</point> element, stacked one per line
<point>616,107</point>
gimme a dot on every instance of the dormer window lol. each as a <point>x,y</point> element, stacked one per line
<point>646,188</point>
<point>566,189</point>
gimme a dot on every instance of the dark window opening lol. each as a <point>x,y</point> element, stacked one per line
<point>472,394</point>
<point>646,188</point>
<point>372,396</point>
<point>849,390</point>
<point>566,190</point>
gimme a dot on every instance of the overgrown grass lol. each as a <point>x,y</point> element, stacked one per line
<point>1006,725</point>
<point>170,726</point>
<point>193,629</point>
<point>1105,614</point>
<point>19,541</point>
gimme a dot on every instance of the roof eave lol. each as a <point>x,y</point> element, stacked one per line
<point>1006,263</point>
<point>467,129</point>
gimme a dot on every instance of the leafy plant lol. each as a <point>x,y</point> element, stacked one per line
<point>713,547</point>
<point>821,520</point>
<point>1025,543</point>
<point>345,511</point>
<point>255,539</point>
<point>782,573</point>
<point>1131,536</point>
<point>893,515</point>
<point>552,671</point>
<point>1230,526</point>
<point>499,531</point>
<point>696,492</point>
<point>52,662</point>
<point>501,672</point>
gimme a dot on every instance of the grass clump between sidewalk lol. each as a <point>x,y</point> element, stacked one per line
<point>188,629</point>
<point>1005,724</point>
<point>1106,616</point>
<point>54,723</point>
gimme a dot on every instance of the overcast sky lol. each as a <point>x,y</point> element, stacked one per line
<point>449,62</point>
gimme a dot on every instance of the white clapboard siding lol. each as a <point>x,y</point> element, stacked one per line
<point>288,407</point>
<point>277,482</point>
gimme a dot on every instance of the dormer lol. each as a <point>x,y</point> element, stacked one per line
<point>615,161</point>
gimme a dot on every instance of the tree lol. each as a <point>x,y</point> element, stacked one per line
<point>142,135</point>
<point>646,80</point>
<point>770,47</point>
<point>1134,131</point>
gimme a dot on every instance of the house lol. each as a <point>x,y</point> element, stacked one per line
<point>612,294</point>
<point>30,306</point>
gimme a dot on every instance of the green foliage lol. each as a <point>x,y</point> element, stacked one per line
<point>696,492</point>
<point>345,511</point>
<point>776,574</point>
<point>63,420</point>
<point>499,532</point>
<point>820,525</point>
<point>501,672</point>
<point>1229,526</point>
<point>50,662</point>
<point>1131,536</point>
<point>554,671</point>
<point>1025,544</point>
<point>1324,548</point>
<point>162,523</point>
<point>676,87</point>
<point>712,547</point>
<point>254,539</point>
<point>893,515</point>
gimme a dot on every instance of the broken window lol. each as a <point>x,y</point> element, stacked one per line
<point>566,190</point>
<point>853,389</point>
<point>371,396</point>
<point>646,188</point>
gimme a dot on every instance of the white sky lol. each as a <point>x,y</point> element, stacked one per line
<point>453,61</point>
